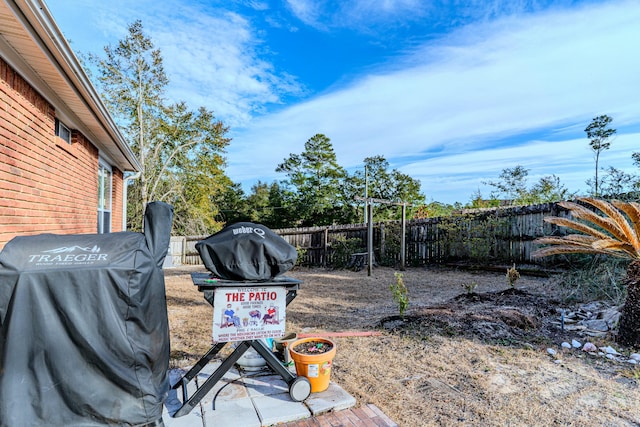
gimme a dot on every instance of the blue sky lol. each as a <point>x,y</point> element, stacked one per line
<point>449,92</point>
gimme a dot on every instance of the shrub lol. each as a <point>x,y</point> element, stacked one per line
<point>400,293</point>
<point>512,276</point>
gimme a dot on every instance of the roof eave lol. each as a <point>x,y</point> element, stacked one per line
<point>73,95</point>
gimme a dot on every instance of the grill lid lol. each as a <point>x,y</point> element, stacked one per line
<point>246,251</point>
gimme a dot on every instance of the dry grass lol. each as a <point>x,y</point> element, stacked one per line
<point>431,371</point>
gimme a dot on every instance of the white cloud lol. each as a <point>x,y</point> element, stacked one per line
<point>308,11</point>
<point>462,94</point>
<point>213,63</point>
<point>211,56</point>
<point>359,15</point>
<point>439,111</point>
<point>372,16</point>
<point>457,177</point>
<point>213,60</point>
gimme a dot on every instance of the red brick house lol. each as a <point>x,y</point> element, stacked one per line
<point>62,158</point>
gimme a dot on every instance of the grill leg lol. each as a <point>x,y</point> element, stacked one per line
<point>190,402</point>
<point>204,360</point>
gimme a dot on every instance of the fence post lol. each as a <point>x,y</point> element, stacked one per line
<point>184,251</point>
<point>370,238</point>
<point>403,237</point>
<point>325,245</point>
<point>382,241</point>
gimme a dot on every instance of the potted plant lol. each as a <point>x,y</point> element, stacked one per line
<point>313,358</point>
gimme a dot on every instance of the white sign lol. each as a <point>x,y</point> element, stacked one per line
<point>241,314</point>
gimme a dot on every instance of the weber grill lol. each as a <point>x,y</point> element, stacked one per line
<point>249,294</point>
<point>84,337</point>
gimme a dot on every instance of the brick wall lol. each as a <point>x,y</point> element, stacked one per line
<point>46,184</point>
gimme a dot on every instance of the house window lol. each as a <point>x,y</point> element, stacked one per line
<point>63,132</point>
<point>104,198</point>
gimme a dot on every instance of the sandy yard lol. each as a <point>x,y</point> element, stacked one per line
<point>456,358</point>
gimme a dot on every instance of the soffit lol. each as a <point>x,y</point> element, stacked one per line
<point>31,42</point>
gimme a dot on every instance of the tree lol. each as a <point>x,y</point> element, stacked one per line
<point>599,134</point>
<point>548,189</point>
<point>180,151</point>
<point>232,205</point>
<point>281,215</point>
<point>269,203</point>
<point>393,186</point>
<point>195,141</point>
<point>615,232</point>
<point>617,184</point>
<point>314,184</point>
<point>265,204</point>
<point>477,201</point>
<point>513,187</point>
<point>512,184</point>
<point>435,209</point>
<point>320,192</point>
<point>258,202</point>
<point>133,80</point>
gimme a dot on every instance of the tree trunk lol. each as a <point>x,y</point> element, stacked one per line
<point>629,326</point>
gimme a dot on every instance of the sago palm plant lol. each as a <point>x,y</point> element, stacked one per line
<point>614,231</point>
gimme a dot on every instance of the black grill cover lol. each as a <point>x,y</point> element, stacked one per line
<point>84,337</point>
<point>246,251</point>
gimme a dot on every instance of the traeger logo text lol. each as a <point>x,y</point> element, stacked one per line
<point>69,256</point>
<point>249,230</point>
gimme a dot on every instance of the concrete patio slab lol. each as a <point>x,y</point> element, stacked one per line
<point>249,399</point>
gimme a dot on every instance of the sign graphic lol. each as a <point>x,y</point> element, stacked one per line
<point>246,313</point>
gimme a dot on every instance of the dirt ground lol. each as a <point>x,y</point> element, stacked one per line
<point>456,358</point>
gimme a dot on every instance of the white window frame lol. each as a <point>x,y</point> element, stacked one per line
<point>63,132</point>
<point>105,201</point>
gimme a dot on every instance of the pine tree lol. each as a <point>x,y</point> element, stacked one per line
<point>180,150</point>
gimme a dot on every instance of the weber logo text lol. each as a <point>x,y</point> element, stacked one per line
<point>249,230</point>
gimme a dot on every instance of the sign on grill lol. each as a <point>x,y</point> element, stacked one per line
<point>249,313</point>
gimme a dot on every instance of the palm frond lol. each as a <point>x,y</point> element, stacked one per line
<point>615,245</point>
<point>568,205</point>
<point>557,250</point>
<point>565,241</point>
<point>615,232</point>
<point>606,223</point>
<point>605,207</point>
<point>632,210</point>
<point>578,226</point>
<point>628,234</point>
<point>580,238</point>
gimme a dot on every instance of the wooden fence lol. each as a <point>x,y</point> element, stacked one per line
<point>494,236</point>
<point>488,236</point>
<point>183,250</point>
